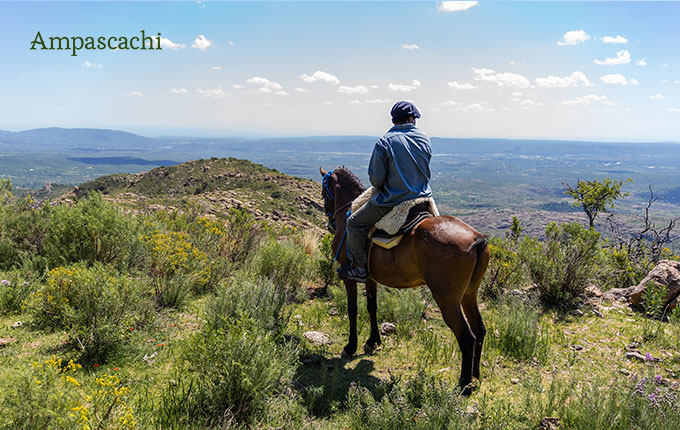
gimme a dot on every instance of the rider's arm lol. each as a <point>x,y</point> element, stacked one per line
<point>377,167</point>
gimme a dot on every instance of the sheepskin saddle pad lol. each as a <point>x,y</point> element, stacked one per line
<point>391,228</point>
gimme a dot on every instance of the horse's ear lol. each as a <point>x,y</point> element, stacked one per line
<point>322,171</point>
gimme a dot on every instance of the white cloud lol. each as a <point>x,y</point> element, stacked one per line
<point>178,91</point>
<point>475,107</point>
<point>215,68</point>
<point>529,102</point>
<point>451,103</point>
<point>517,94</point>
<point>642,62</point>
<point>576,79</point>
<point>320,76</point>
<point>378,101</point>
<point>91,65</point>
<point>281,93</point>
<point>359,89</point>
<point>215,93</point>
<point>622,57</point>
<point>301,90</point>
<point>573,37</point>
<point>136,93</point>
<point>617,39</point>
<point>328,102</point>
<point>264,90</point>
<point>169,44</point>
<point>502,79</point>
<point>588,99</point>
<point>677,82</point>
<point>405,88</point>
<point>456,86</point>
<point>375,87</point>
<point>230,43</point>
<point>618,79</point>
<point>656,97</point>
<point>455,6</point>
<point>354,102</point>
<point>515,99</point>
<point>266,83</point>
<point>410,46</point>
<point>673,109</point>
<point>238,86</point>
<point>201,43</point>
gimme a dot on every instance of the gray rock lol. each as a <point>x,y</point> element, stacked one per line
<point>316,337</point>
<point>387,328</point>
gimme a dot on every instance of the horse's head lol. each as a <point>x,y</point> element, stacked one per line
<point>328,183</point>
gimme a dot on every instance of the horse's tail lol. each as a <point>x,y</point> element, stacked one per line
<point>481,247</point>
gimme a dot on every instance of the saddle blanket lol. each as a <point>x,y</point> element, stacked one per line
<point>392,222</point>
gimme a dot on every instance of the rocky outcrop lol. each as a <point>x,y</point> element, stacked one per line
<point>666,273</point>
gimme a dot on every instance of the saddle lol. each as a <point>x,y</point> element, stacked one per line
<point>416,214</point>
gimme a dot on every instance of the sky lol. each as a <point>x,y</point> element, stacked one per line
<point>523,70</point>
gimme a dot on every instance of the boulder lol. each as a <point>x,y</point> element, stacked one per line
<point>316,337</point>
<point>387,329</point>
<point>666,273</point>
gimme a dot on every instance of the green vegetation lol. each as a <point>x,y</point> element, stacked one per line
<point>117,315</point>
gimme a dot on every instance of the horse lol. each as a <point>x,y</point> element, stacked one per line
<point>442,252</point>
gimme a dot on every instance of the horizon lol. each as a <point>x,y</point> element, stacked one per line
<point>597,71</point>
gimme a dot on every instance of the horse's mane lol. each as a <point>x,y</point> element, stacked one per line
<point>350,179</point>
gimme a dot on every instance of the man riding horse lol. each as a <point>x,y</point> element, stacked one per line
<point>400,170</point>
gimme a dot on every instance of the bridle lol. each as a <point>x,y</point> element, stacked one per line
<point>328,197</point>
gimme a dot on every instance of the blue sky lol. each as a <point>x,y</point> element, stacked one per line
<point>592,71</point>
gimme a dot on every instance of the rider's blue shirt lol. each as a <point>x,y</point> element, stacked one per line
<point>400,165</point>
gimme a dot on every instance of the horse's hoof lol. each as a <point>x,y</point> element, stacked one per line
<point>347,353</point>
<point>368,349</point>
<point>466,392</point>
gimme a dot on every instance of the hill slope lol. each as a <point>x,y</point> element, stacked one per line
<point>216,185</point>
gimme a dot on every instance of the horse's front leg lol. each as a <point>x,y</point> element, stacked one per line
<point>351,347</point>
<point>372,306</point>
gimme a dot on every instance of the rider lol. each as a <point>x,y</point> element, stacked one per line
<point>400,170</point>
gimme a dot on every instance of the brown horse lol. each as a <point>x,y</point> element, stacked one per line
<point>443,252</point>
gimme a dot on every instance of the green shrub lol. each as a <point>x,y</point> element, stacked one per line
<point>257,299</point>
<point>505,270</point>
<point>515,329</point>
<point>618,271</point>
<point>642,403</point>
<point>96,305</point>
<point>405,308</point>
<point>563,265</point>
<point>326,262</point>
<point>15,288</point>
<point>285,263</point>
<point>228,376</point>
<point>176,267</point>
<point>423,402</point>
<point>92,230</point>
<point>53,396</point>
<point>22,231</point>
<point>244,234</point>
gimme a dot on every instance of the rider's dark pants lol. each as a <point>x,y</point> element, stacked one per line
<point>358,226</point>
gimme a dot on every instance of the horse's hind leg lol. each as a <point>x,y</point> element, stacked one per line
<point>351,347</point>
<point>453,316</point>
<point>372,306</point>
<point>474,319</point>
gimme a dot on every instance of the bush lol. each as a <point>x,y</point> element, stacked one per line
<point>244,235</point>
<point>562,266</point>
<point>326,262</point>
<point>641,403</point>
<point>505,270</point>
<point>618,271</point>
<point>423,402</point>
<point>15,287</point>
<point>257,299</point>
<point>228,376</point>
<point>176,267</point>
<point>515,329</point>
<point>92,230</point>
<point>51,395</point>
<point>22,231</point>
<point>285,263</point>
<point>95,305</point>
